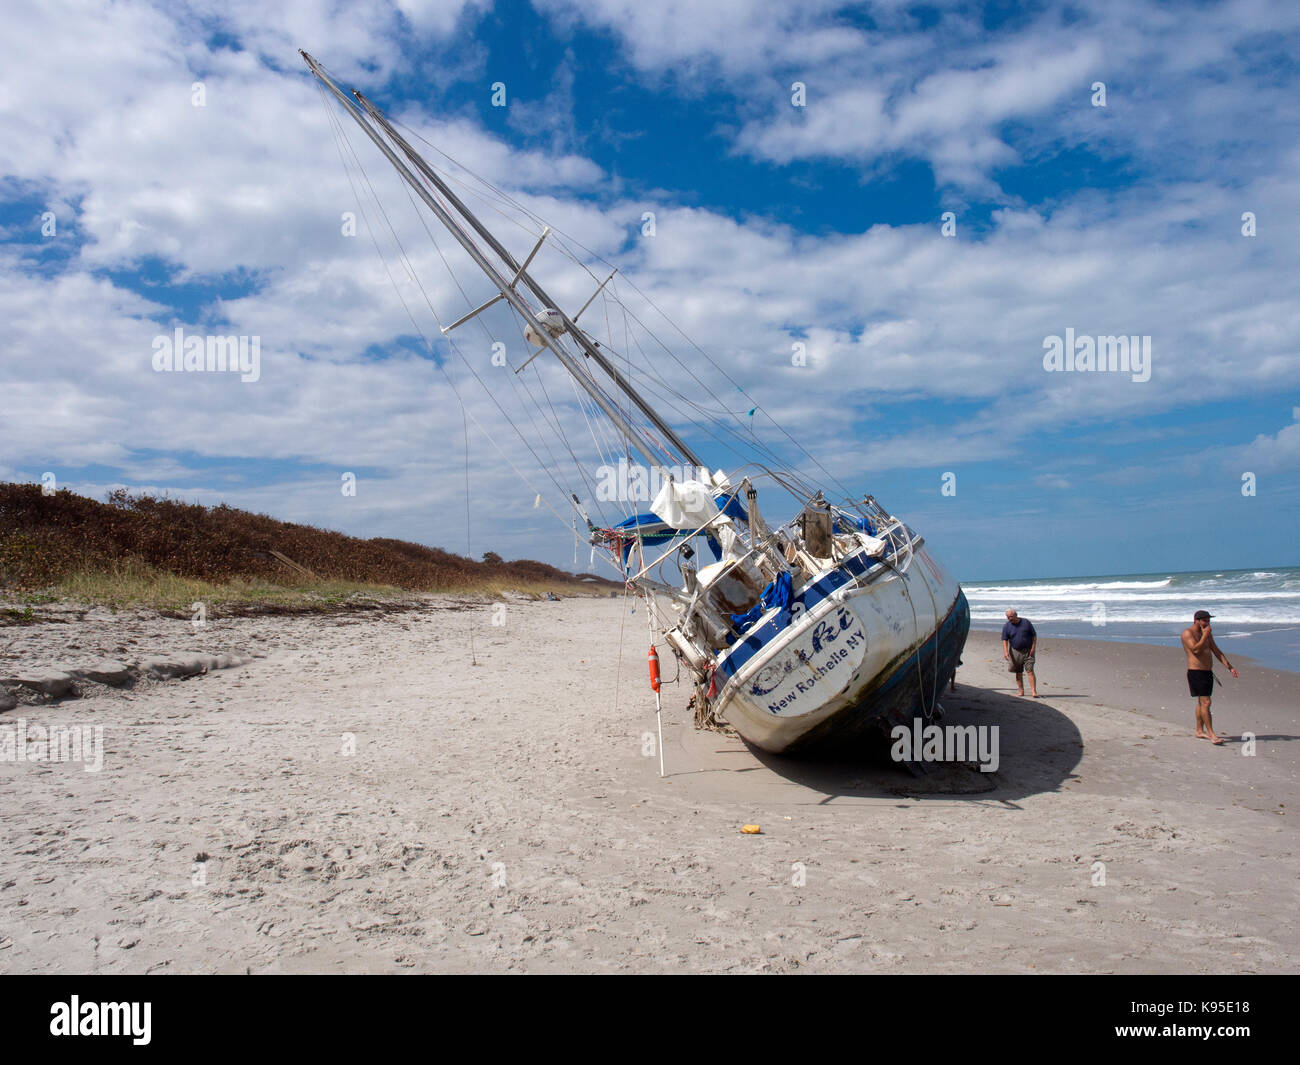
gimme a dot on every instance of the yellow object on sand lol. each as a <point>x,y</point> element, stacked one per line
<point>751,830</point>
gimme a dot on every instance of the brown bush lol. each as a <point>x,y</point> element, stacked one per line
<point>46,537</point>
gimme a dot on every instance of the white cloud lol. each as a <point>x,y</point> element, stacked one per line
<point>1183,88</point>
<point>1273,452</point>
<point>897,320</point>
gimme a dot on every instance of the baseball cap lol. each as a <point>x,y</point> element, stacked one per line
<point>1202,615</point>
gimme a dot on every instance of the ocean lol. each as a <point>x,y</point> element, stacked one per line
<point>1256,612</point>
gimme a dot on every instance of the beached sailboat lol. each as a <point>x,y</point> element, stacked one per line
<point>814,634</point>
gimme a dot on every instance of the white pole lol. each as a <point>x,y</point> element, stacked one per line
<point>660,718</point>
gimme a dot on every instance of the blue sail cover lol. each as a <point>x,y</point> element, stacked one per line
<point>646,524</point>
<point>777,594</point>
<point>652,530</point>
<point>649,528</point>
<point>860,524</point>
<point>732,509</point>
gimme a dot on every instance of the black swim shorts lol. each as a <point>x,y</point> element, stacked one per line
<point>1200,682</point>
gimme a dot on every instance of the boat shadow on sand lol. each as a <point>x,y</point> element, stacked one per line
<point>1038,748</point>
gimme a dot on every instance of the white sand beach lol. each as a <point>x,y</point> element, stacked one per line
<point>357,797</point>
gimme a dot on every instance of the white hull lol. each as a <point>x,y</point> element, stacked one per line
<point>829,660</point>
<point>818,675</point>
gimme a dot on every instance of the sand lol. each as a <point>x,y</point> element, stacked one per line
<point>357,797</point>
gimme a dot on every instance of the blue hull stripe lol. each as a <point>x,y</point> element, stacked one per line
<point>857,566</point>
<point>909,691</point>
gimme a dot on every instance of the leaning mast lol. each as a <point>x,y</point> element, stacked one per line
<point>505,287</point>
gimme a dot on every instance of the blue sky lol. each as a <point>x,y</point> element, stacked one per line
<point>774,223</point>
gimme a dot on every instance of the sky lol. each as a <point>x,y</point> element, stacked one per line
<point>922,195</point>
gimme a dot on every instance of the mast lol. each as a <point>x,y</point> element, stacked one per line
<point>503,286</point>
<point>521,274</point>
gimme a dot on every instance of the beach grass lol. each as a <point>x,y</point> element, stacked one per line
<point>131,584</point>
<point>143,551</point>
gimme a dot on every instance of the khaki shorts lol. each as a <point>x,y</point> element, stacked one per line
<point>1021,662</point>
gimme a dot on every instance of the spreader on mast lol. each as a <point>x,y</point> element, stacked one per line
<point>521,274</point>
<point>812,634</point>
<point>506,288</point>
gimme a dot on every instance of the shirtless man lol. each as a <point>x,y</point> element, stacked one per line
<point>1198,642</point>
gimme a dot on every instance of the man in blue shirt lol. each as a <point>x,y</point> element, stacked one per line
<point>1019,644</point>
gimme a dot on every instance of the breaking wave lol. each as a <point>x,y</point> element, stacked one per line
<point>1248,597</point>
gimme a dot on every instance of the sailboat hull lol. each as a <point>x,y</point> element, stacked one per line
<point>857,659</point>
<point>833,664</point>
<point>898,695</point>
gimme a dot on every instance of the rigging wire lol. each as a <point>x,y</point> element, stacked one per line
<point>789,478</point>
<point>642,431</point>
<point>561,236</point>
<point>748,437</point>
<point>342,140</point>
<point>658,384</point>
<point>554,422</point>
<point>451,344</point>
<point>479,319</point>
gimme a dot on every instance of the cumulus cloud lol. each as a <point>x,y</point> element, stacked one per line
<point>921,350</point>
<point>1274,452</point>
<point>886,80</point>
